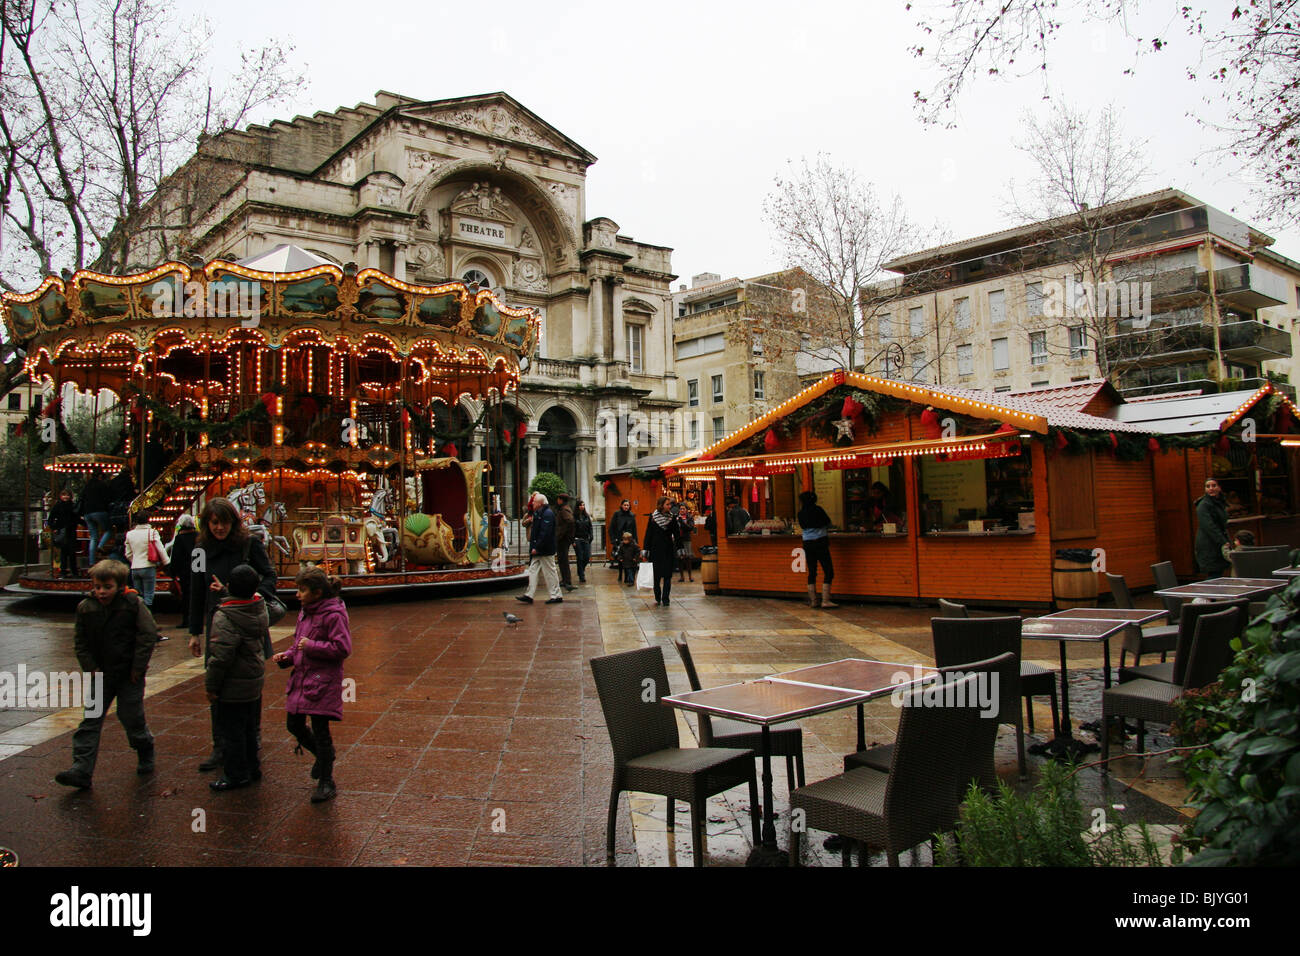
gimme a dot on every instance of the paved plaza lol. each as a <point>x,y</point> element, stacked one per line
<point>470,741</point>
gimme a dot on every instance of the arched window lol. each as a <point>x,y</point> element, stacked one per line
<point>478,277</point>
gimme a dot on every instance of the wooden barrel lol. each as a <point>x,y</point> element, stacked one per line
<point>709,572</point>
<point>1074,583</point>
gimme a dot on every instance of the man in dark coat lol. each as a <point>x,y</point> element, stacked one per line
<point>63,522</point>
<point>737,518</point>
<point>541,549</point>
<point>182,554</point>
<point>1211,531</point>
<point>565,529</point>
<point>94,507</point>
<point>662,539</point>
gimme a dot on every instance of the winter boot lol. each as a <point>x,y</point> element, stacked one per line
<point>73,778</point>
<point>826,596</point>
<point>813,600</point>
<point>213,762</point>
<point>325,789</point>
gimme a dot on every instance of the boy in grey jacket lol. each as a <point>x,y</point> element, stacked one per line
<point>235,667</point>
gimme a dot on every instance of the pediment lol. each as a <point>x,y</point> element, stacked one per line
<point>500,117</point>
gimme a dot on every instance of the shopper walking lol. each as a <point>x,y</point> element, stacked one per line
<point>541,550</point>
<point>582,535</point>
<point>662,539</point>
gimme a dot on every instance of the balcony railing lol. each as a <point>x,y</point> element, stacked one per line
<point>1250,341</point>
<point>1206,386</point>
<point>556,368</point>
<point>1248,286</point>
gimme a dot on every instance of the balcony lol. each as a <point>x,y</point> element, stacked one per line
<point>1248,287</point>
<point>1206,386</point>
<point>1249,341</point>
<point>556,369</point>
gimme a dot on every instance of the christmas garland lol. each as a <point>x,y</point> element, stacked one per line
<point>216,431</point>
<point>423,424</point>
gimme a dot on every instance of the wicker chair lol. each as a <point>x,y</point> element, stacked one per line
<point>1145,700</point>
<point>647,758</point>
<point>1035,679</point>
<point>786,740</point>
<point>920,794</point>
<point>1171,672</point>
<point>980,757</point>
<point>1140,640</point>
<point>1166,577</point>
<point>1258,562</point>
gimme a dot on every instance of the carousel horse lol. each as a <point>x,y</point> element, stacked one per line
<point>248,499</point>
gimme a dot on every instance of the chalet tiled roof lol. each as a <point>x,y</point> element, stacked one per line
<point>1059,410</point>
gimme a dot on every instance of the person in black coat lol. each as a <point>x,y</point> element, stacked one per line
<point>63,522</point>
<point>662,539</point>
<point>224,544</point>
<point>622,521</point>
<point>94,507</point>
<point>182,552</point>
<point>582,535</point>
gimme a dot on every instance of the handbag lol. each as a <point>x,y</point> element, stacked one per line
<point>645,577</point>
<point>275,608</point>
<point>156,555</point>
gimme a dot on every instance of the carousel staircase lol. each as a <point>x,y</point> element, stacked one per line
<point>169,493</point>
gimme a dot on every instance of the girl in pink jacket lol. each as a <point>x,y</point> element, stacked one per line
<point>320,643</point>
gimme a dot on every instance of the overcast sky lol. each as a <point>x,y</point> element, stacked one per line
<point>693,107</point>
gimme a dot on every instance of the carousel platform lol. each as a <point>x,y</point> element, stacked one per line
<point>461,580</point>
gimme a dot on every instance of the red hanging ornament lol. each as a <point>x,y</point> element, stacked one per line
<point>506,437</point>
<point>1114,442</point>
<point>654,484</point>
<point>1222,446</point>
<point>604,485</point>
<point>1153,446</point>
<point>930,426</point>
<point>708,457</point>
<point>708,496</point>
<point>1006,429</point>
<point>852,407</point>
<point>450,450</point>
<point>522,430</point>
<point>1061,441</point>
<point>770,441</point>
<point>406,419</point>
<point>268,400</point>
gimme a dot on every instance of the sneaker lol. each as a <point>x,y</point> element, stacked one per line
<point>163,637</point>
<point>524,597</point>
<point>73,778</point>
<point>555,601</point>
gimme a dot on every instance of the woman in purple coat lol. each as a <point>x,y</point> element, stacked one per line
<point>320,643</point>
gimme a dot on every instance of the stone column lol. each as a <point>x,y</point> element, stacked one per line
<point>670,353</point>
<point>620,336</point>
<point>585,446</point>
<point>531,440</point>
<point>596,316</point>
<point>399,261</point>
<point>477,439</point>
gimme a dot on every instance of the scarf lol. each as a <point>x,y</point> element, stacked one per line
<point>662,520</point>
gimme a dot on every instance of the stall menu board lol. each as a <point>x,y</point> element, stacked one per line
<point>829,486</point>
<point>958,484</point>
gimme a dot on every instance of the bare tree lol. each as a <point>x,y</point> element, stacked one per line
<point>833,226</point>
<point>100,101</point>
<point>1085,167</point>
<point>1251,48</point>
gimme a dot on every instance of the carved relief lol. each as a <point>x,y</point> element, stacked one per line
<point>348,170</point>
<point>526,239</point>
<point>423,253</point>
<point>483,200</point>
<point>420,163</point>
<point>502,123</point>
<point>528,276</point>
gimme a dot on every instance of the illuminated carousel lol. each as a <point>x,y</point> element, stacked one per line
<point>310,399</point>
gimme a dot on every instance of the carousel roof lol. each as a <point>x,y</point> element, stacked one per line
<point>284,258</point>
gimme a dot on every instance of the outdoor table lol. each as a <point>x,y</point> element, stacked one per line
<point>1071,625</point>
<point>1287,572</point>
<point>1225,589</point>
<point>782,698</point>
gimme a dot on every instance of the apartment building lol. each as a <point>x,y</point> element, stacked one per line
<point>1161,293</point>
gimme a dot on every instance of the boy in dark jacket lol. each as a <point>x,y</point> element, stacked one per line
<point>629,559</point>
<point>63,521</point>
<point>115,637</point>
<point>236,660</point>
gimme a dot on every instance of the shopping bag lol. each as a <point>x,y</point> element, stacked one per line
<point>156,555</point>
<point>645,577</point>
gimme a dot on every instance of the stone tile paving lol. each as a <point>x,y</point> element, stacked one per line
<point>470,742</point>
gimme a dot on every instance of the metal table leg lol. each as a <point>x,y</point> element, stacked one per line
<point>768,853</point>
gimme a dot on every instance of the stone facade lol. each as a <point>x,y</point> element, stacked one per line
<point>475,188</point>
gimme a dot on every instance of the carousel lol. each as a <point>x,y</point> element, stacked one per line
<point>313,400</point>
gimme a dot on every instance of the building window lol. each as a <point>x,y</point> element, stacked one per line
<point>719,429</point>
<point>1034,299</point>
<point>961,314</point>
<point>1002,388</point>
<point>918,366</point>
<point>1038,348</point>
<point>1039,384</point>
<point>886,324</point>
<point>997,307</point>
<point>759,391</point>
<point>692,393</point>
<point>756,344</point>
<point>38,402</point>
<point>916,322</point>
<point>477,277</point>
<point>635,339</point>
<point>1078,342</point>
<point>695,433</point>
<point>1001,358</point>
<point>965,360</point>
<point>15,402</point>
<point>717,388</point>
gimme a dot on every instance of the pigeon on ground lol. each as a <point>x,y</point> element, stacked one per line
<point>511,619</point>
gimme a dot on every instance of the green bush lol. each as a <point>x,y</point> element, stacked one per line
<point>1245,781</point>
<point>1045,827</point>
<point>547,483</point>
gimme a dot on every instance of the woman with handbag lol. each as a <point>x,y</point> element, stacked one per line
<point>182,552</point>
<point>145,551</point>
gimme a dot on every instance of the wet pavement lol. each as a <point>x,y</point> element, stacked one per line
<point>470,741</point>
